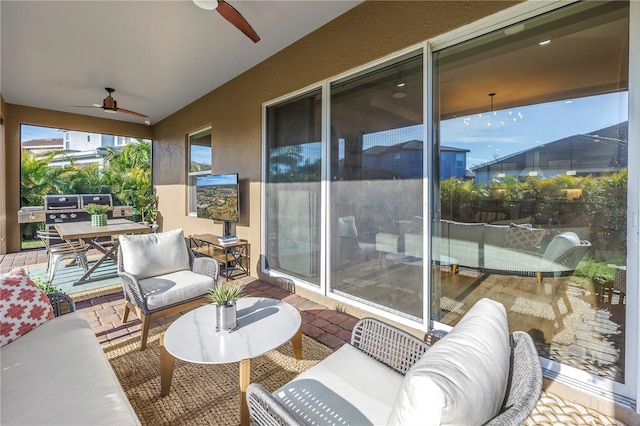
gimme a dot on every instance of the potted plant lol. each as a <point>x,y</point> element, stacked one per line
<point>225,297</point>
<point>98,213</point>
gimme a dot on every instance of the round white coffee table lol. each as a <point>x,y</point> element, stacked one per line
<point>263,325</point>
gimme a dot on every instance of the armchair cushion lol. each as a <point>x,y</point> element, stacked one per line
<point>174,287</point>
<point>151,255</point>
<point>462,377</point>
<point>348,384</point>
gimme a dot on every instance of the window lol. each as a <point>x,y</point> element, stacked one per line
<point>200,156</point>
<point>292,187</point>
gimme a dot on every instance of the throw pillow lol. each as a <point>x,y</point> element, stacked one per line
<point>462,379</point>
<point>523,237</point>
<point>23,306</point>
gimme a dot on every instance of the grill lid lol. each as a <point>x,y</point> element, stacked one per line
<point>101,199</point>
<point>59,202</point>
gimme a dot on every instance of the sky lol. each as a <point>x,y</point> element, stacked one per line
<point>36,132</point>
<point>487,138</point>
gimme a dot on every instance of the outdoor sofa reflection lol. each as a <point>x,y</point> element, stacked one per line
<point>478,373</point>
<point>503,249</point>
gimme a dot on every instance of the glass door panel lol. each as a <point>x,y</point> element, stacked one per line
<point>532,189</point>
<point>375,190</point>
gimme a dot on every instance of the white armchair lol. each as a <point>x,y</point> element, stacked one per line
<point>161,276</point>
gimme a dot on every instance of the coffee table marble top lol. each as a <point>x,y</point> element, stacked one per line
<point>263,325</point>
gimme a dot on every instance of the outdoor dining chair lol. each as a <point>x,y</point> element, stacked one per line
<point>59,249</point>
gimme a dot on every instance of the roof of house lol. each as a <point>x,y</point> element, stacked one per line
<point>43,143</point>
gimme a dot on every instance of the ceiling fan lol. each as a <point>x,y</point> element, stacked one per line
<point>229,13</point>
<point>110,105</point>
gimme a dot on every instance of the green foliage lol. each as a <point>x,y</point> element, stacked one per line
<point>45,285</point>
<point>126,175</point>
<point>38,179</point>
<point>598,202</point>
<point>92,208</point>
<point>597,272</point>
<point>228,292</point>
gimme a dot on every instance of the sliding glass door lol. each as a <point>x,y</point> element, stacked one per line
<point>536,114</point>
<point>376,170</point>
<point>292,187</point>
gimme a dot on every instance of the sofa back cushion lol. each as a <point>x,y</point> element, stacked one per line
<point>462,379</point>
<point>560,244</point>
<point>151,255</point>
<point>23,306</point>
<point>494,235</point>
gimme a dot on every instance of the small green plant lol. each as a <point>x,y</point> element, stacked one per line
<point>226,293</point>
<point>97,208</point>
<point>45,285</point>
<point>341,308</point>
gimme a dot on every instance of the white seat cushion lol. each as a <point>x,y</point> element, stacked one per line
<point>462,379</point>
<point>57,374</point>
<point>346,388</point>
<point>154,254</point>
<point>175,287</point>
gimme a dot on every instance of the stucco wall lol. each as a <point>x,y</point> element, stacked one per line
<point>368,32</point>
<point>15,115</point>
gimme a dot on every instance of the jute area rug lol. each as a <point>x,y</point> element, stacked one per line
<point>200,394</point>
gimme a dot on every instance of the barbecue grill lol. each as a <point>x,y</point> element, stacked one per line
<point>70,208</point>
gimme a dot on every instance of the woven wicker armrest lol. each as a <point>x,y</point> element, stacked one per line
<point>388,344</point>
<point>131,288</point>
<point>525,382</point>
<point>265,410</point>
<point>61,303</point>
<point>206,266</point>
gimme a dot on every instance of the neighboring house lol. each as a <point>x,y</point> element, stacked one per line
<point>404,160</point>
<point>453,163</point>
<point>79,147</point>
<point>39,146</point>
<point>400,160</point>
<point>83,141</point>
<point>597,153</point>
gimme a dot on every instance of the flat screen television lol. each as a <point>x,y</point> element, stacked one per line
<point>217,197</point>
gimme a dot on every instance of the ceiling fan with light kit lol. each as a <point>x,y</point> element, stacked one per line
<point>110,105</point>
<point>229,13</point>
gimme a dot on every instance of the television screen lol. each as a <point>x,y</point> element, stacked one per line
<point>217,197</point>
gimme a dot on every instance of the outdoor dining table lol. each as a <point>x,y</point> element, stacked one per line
<point>90,235</point>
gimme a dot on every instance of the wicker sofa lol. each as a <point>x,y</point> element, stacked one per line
<point>57,374</point>
<point>477,374</point>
